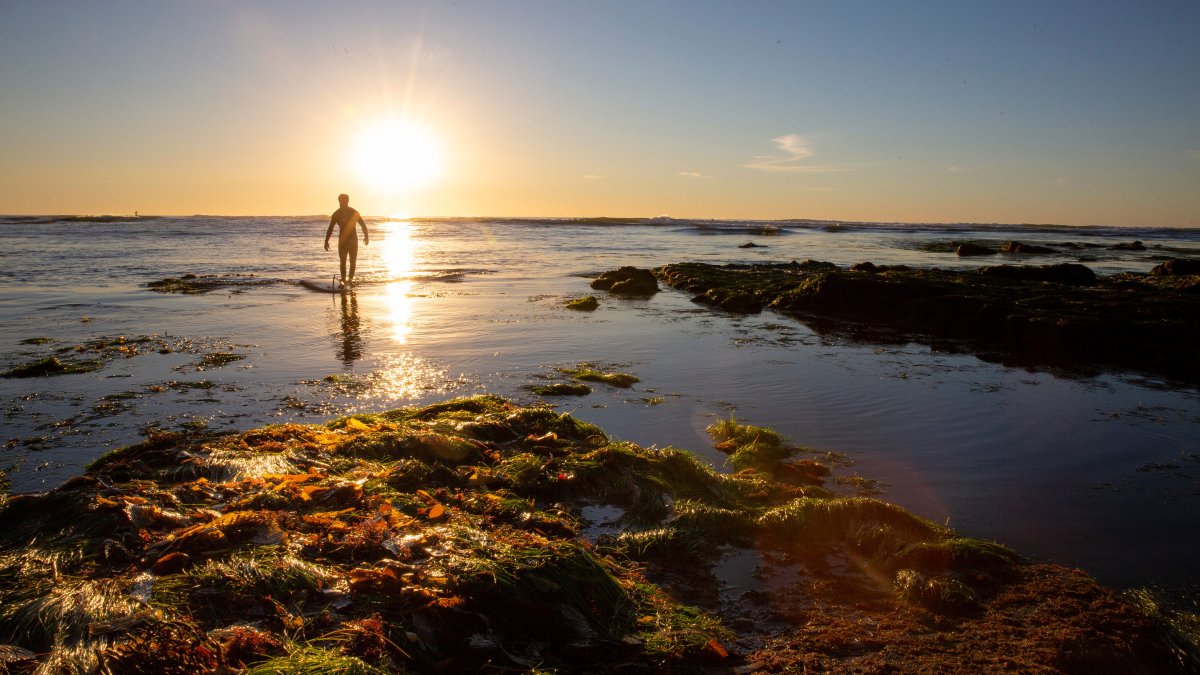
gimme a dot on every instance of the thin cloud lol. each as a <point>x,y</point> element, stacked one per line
<point>794,149</point>
<point>692,174</point>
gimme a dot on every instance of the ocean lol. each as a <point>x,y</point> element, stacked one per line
<point>1099,471</point>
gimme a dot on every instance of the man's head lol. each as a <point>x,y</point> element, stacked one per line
<point>344,199</point>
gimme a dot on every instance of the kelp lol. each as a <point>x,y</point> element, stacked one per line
<point>443,538</point>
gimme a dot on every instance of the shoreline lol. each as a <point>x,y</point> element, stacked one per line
<point>373,541</point>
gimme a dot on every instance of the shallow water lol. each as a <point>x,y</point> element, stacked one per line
<point>1100,472</point>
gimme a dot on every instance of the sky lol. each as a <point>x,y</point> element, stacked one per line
<point>1073,113</point>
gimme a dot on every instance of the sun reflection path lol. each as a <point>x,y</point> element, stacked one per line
<point>399,253</point>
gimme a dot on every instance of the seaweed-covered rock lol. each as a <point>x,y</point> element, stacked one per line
<point>587,303</point>
<point>51,365</point>
<point>1062,314</point>
<point>627,281</point>
<point>738,303</point>
<point>1071,274</point>
<point>1177,267</point>
<point>423,540</point>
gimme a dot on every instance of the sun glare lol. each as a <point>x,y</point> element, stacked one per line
<point>397,155</point>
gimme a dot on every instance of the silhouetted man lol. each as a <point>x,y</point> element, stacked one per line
<point>346,218</point>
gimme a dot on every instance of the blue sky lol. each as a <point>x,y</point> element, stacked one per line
<point>1065,112</point>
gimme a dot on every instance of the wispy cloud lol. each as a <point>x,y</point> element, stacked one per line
<point>692,174</point>
<point>794,149</point>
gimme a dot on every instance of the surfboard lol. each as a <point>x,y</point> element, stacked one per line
<point>322,285</point>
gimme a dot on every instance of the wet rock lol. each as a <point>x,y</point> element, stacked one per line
<point>742,303</point>
<point>1018,247</point>
<point>1059,314</point>
<point>811,265</point>
<point>627,281</point>
<point>864,267</point>
<point>751,244</point>
<point>739,303</point>
<point>1177,267</point>
<point>967,249</point>
<point>1070,274</point>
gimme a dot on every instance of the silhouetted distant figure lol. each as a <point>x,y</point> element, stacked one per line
<point>346,218</point>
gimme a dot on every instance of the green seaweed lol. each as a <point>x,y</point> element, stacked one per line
<point>311,660</point>
<point>51,365</point>
<point>560,389</point>
<point>588,303</point>
<point>588,373</point>
<point>441,538</point>
<point>749,447</point>
<point>188,284</point>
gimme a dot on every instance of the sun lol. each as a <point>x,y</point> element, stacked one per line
<point>397,155</point>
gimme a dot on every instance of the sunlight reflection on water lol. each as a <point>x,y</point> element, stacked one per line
<point>399,251</point>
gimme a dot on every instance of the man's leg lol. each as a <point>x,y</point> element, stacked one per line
<point>342,252</point>
<point>352,249</point>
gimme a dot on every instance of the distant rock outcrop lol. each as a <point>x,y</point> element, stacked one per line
<point>1018,247</point>
<point>627,280</point>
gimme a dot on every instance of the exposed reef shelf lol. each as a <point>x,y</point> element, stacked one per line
<point>1053,314</point>
<point>455,538</point>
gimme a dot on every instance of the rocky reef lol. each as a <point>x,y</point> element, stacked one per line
<point>1060,314</point>
<point>464,536</point>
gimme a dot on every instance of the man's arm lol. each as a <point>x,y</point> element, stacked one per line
<point>329,232</point>
<point>366,237</point>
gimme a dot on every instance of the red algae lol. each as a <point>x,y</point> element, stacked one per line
<point>448,538</point>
